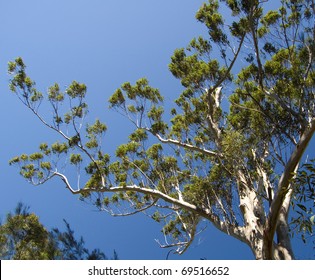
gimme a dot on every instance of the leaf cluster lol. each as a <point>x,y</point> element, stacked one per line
<point>248,96</point>
<point>303,204</point>
<point>23,237</point>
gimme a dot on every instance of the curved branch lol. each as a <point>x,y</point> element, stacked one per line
<point>79,145</point>
<point>233,230</point>
<point>284,188</point>
<point>186,146</point>
<point>136,211</point>
<point>68,186</point>
<point>230,67</point>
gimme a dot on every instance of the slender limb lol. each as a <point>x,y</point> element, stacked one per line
<point>284,188</point>
<point>186,145</point>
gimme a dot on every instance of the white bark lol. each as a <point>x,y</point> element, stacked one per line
<point>280,204</point>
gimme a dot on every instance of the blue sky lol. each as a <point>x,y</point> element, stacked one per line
<point>102,44</point>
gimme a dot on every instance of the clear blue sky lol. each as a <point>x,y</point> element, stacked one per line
<point>101,43</point>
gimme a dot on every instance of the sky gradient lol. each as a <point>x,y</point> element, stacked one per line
<point>102,44</point>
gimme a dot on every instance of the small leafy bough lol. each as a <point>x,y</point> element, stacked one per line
<point>230,153</point>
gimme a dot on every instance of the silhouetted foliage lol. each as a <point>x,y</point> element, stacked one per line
<point>23,237</point>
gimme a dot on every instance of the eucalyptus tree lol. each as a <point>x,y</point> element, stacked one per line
<point>231,150</point>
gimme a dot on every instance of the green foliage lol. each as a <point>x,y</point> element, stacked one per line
<point>247,101</point>
<point>210,16</point>
<point>59,148</point>
<point>97,128</point>
<point>23,84</point>
<point>141,90</point>
<point>45,149</point>
<point>75,159</point>
<point>54,94</point>
<point>76,90</point>
<point>304,202</point>
<point>23,237</point>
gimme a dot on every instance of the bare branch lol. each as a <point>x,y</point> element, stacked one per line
<point>65,180</point>
<point>136,211</point>
<point>187,146</point>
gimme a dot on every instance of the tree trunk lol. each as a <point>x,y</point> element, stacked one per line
<point>281,249</point>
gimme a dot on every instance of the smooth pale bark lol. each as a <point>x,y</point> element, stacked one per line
<point>259,229</point>
<point>280,205</point>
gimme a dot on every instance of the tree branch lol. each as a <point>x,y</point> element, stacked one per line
<point>135,211</point>
<point>284,106</point>
<point>284,187</point>
<point>186,146</point>
<point>237,232</point>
